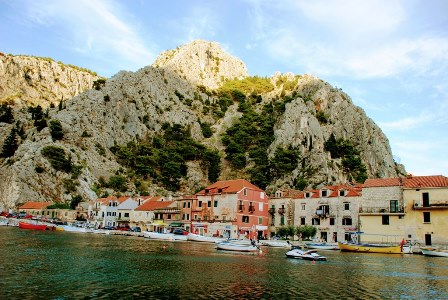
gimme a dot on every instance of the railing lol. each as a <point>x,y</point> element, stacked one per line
<point>322,214</point>
<point>251,209</point>
<point>240,207</point>
<point>380,210</point>
<point>281,210</point>
<point>272,211</point>
<point>441,204</point>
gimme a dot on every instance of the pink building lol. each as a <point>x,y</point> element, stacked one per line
<point>234,208</point>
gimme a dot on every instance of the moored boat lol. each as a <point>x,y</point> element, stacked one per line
<point>76,229</point>
<point>323,246</point>
<point>306,255</point>
<point>202,238</point>
<point>434,252</point>
<point>370,248</point>
<point>230,246</point>
<point>26,225</point>
<point>159,236</point>
<point>276,243</point>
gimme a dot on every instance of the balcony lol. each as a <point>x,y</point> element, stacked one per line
<point>272,210</point>
<point>322,213</point>
<point>380,210</point>
<point>281,210</point>
<point>240,208</point>
<point>251,209</point>
<point>441,204</point>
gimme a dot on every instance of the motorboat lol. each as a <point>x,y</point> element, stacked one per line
<point>158,236</point>
<point>71,228</point>
<point>370,248</point>
<point>276,243</point>
<point>322,246</point>
<point>26,225</point>
<point>203,238</point>
<point>434,252</point>
<point>306,255</point>
<point>231,246</point>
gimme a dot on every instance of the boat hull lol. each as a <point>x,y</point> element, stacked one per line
<point>159,236</point>
<point>366,248</point>
<point>434,252</point>
<point>201,238</point>
<point>323,246</point>
<point>25,225</point>
<point>236,247</point>
<point>278,244</point>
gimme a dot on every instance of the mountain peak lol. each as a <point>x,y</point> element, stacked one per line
<point>202,63</point>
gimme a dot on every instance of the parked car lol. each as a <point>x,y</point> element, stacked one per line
<point>123,228</point>
<point>180,231</point>
<point>136,229</point>
<point>109,228</point>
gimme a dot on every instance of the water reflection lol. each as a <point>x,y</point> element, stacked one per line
<point>59,265</point>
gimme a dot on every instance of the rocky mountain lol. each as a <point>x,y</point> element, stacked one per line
<point>194,116</point>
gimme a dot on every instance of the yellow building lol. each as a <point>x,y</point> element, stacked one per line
<point>426,200</point>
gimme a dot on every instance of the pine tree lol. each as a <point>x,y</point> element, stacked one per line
<point>6,115</point>
<point>10,146</point>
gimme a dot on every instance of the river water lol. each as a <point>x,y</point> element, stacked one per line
<point>64,265</point>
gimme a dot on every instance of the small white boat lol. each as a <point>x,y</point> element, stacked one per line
<point>159,236</point>
<point>434,252</point>
<point>230,246</point>
<point>70,228</point>
<point>202,238</point>
<point>276,243</point>
<point>307,255</point>
<point>323,246</point>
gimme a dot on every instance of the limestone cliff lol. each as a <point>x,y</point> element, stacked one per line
<point>179,88</point>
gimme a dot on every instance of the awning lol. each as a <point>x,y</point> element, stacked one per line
<point>176,224</point>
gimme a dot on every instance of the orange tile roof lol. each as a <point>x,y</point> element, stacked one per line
<point>152,205</point>
<point>35,205</point>
<point>425,181</point>
<point>229,187</point>
<point>382,182</point>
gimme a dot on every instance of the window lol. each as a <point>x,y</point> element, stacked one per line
<point>324,193</point>
<point>245,219</point>
<point>200,204</point>
<point>282,220</point>
<point>261,195</point>
<point>209,203</point>
<point>316,221</point>
<point>346,221</point>
<point>215,203</point>
<point>303,206</point>
<point>245,192</point>
<point>188,204</point>
<point>346,206</point>
<point>220,191</point>
<point>393,206</point>
<point>185,204</point>
<point>195,216</point>
<point>183,217</point>
<point>224,218</point>
<point>126,215</point>
<point>307,195</point>
<point>425,198</point>
<point>169,217</point>
<point>385,220</point>
<point>331,221</point>
<point>188,216</point>
<point>260,220</point>
<point>302,220</point>
<point>342,193</point>
<point>426,217</point>
<point>260,206</point>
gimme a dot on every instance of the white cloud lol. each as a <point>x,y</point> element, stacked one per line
<point>97,28</point>
<point>407,123</point>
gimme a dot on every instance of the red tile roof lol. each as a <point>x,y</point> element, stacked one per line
<point>152,205</point>
<point>425,181</point>
<point>229,187</point>
<point>35,205</point>
<point>382,182</point>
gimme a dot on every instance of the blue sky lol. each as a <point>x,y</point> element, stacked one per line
<point>391,57</point>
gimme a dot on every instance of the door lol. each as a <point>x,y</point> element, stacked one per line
<point>323,236</point>
<point>425,199</point>
<point>428,240</point>
<point>335,237</point>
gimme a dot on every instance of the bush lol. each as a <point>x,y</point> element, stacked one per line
<point>206,129</point>
<point>56,157</point>
<point>10,145</point>
<point>117,183</point>
<point>56,130</point>
<point>6,115</point>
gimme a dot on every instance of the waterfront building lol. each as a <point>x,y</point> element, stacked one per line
<point>35,208</point>
<point>282,209</point>
<point>125,209</point>
<point>426,205</point>
<point>104,212</point>
<point>333,210</point>
<point>382,213</point>
<point>233,208</point>
<point>190,212</point>
<point>156,214</point>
